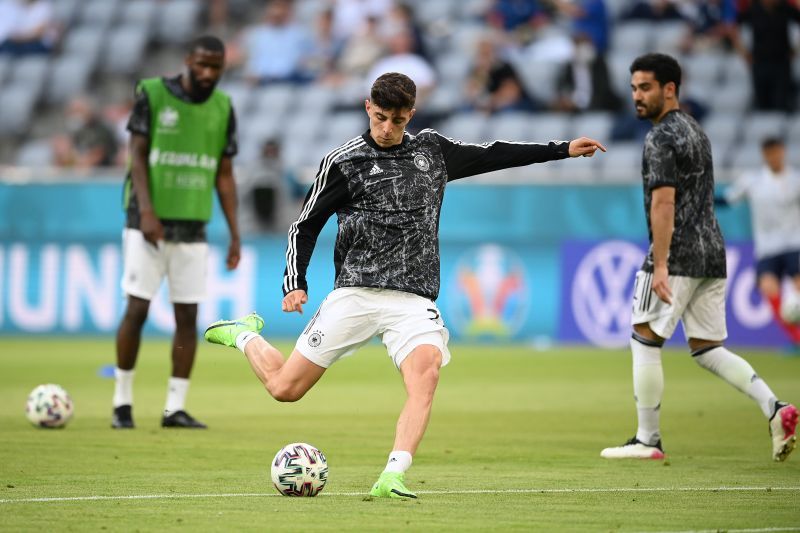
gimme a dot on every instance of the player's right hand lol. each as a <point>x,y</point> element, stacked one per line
<point>294,301</point>
<point>151,227</point>
<point>660,284</point>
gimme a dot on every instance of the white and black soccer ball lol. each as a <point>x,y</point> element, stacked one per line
<point>790,307</point>
<point>299,469</point>
<point>49,406</point>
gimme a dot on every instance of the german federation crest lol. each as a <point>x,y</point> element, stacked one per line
<point>422,162</point>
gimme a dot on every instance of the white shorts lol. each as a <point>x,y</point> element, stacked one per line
<point>351,316</point>
<point>184,264</point>
<point>697,302</point>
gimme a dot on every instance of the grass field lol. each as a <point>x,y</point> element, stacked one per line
<point>513,444</point>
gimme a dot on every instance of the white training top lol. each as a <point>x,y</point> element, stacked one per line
<point>775,209</point>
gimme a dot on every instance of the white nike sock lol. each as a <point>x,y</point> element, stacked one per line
<point>398,462</point>
<point>243,338</point>
<point>176,395</point>
<point>123,387</point>
<point>648,387</point>
<point>738,373</point>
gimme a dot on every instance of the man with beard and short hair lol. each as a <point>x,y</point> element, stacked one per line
<point>683,276</point>
<point>183,139</point>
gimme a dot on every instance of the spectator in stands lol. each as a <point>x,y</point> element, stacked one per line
<point>275,49</point>
<point>350,16</point>
<point>402,59</point>
<point>509,15</point>
<point>590,19</point>
<point>361,51</point>
<point>493,85</point>
<point>654,10</point>
<point>26,27</point>
<point>326,48</point>
<point>711,23</point>
<point>401,17</point>
<point>89,143</point>
<point>583,84</point>
<point>771,56</point>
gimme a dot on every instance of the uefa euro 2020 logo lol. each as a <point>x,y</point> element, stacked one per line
<point>489,293</point>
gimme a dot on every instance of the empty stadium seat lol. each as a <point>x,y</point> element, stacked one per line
<point>723,127</point>
<point>764,124</point>
<point>634,36</point>
<point>731,97</point>
<point>453,67</point>
<point>703,67</point>
<point>16,108</point>
<point>316,98</point>
<point>550,126</point>
<point>273,99</point>
<point>746,157</point>
<point>735,70</point>
<point>69,76</point>
<point>668,37</point>
<point>5,67</point>
<point>85,41</point>
<point>65,11</point>
<point>468,127</point>
<point>99,13</point>
<point>36,153</point>
<point>30,72</point>
<point>240,93</point>
<point>124,49</point>
<point>622,162</point>
<point>138,12</point>
<point>511,126</point>
<point>177,20</point>
<point>594,125</point>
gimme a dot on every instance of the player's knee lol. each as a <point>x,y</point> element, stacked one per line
<point>285,393</point>
<point>186,316</point>
<point>136,313</point>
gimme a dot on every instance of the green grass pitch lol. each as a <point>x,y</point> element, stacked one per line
<point>513,444</point>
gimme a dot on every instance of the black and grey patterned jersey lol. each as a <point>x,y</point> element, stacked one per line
<point>677,154</point>
<point>387,201</point>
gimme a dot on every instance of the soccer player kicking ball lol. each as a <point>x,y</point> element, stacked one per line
<point>386,188</point>
<point>683,276</point>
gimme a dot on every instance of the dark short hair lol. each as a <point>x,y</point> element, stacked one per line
<point>665,68</point>
<point>206,42</point>
<point>771,142</point>
<point>394,91</point>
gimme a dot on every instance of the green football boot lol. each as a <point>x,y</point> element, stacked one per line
<point>224,332</point>
<point>390,485</point>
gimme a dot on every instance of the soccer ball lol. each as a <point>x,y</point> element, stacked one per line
<point>49,406</point>
<point>299,469</point>
<point>790,307</point>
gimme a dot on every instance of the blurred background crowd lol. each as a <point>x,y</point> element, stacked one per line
<point>298,72</point>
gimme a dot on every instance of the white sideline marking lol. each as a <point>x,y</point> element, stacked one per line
<point>430,492</point>
<point>749,530</point>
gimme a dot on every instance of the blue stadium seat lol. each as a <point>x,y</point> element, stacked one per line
<point>764,124</point>
<point>732,98</point>
<point>99,13</point>
<point>65,11</point>
<point>550,126</point>
<point>30,72</point>
<point>632,37</point>
<point>85,41</point>
<point>36,153</point>
<point>273,99</point>
<point>595,125</point>
<point>16,109</point>
<point>469,127</point>
<point>69,76</point>
<point>240,93</point>
<point>5,67</point>
<point>669,36</point>
<point>139,12</point>
<point>512,126</point>
<point>723,127</point>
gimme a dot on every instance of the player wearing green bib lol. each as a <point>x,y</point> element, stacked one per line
<point>183,138</point>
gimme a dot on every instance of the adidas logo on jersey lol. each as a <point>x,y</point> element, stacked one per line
<point>375,170</point>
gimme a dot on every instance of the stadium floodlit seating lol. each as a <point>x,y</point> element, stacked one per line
<point>125,48</point>
<point>99,13</point>
<point>69,76</point>
<point>16,108</point>
<point>177,20</point>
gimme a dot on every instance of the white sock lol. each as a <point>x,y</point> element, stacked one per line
<point>738,373</point>
<point>398,462</point>
<point>648,387</point>
<point>176,395</point>
<point>243,338</point>
<point>123,387</point>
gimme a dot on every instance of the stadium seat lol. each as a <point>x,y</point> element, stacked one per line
<point>99,13</point>
<point>735,70</point>
<point>435,11</point>
<point>30,72</point>
<point>633,36</point>
<point>731,98</point>
<point>538,77</point>
<point>69,76</point>
<point>793,135</point>
<point>549,126</point>
<point>317,98</point>
<point>36,153</point>
<point>746,157</point>
<point>444,99</point>
<point>723,127</point>
<point>5,67</point>
<point>464,39</point>
<point>345,125</point>
<point>668,37</point>
<point>16,108</point>
<point>510,126</point>
<point>124,49</point>
<point>471,127</point>
<point>273,99</point>
<point>594,125</point>
<point>622,163</point>
<point>703,68</point>
<point>764,124</point>
<point>140,12</point>
<point>615,8</point>
<point>579,169</point>
<point>177,20</point>
<point>85,41</point>
<point>720,155</point>
<point>65,11</point>
<point>241,95</point>
<point>619,65</point>
<point>453,67</point>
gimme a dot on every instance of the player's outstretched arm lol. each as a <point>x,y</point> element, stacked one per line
<point>226,190</point>
<point>294,301</point>
<point>584,146</point>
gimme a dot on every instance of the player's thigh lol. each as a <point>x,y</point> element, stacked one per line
<point>344,321</point>
<point>410,321</point>
<point>143,265</point>
<point>660,316</point>
<point>187,268</point>
<point>704,317</point>
<point>420,368</point>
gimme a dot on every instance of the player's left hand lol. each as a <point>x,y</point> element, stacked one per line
<point>584,146</point>
<point>234,254</point>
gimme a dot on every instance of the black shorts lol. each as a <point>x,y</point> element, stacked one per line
<point>786,264</point>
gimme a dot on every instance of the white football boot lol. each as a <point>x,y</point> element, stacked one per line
<point>634,449</point>
<point>782,427</point>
